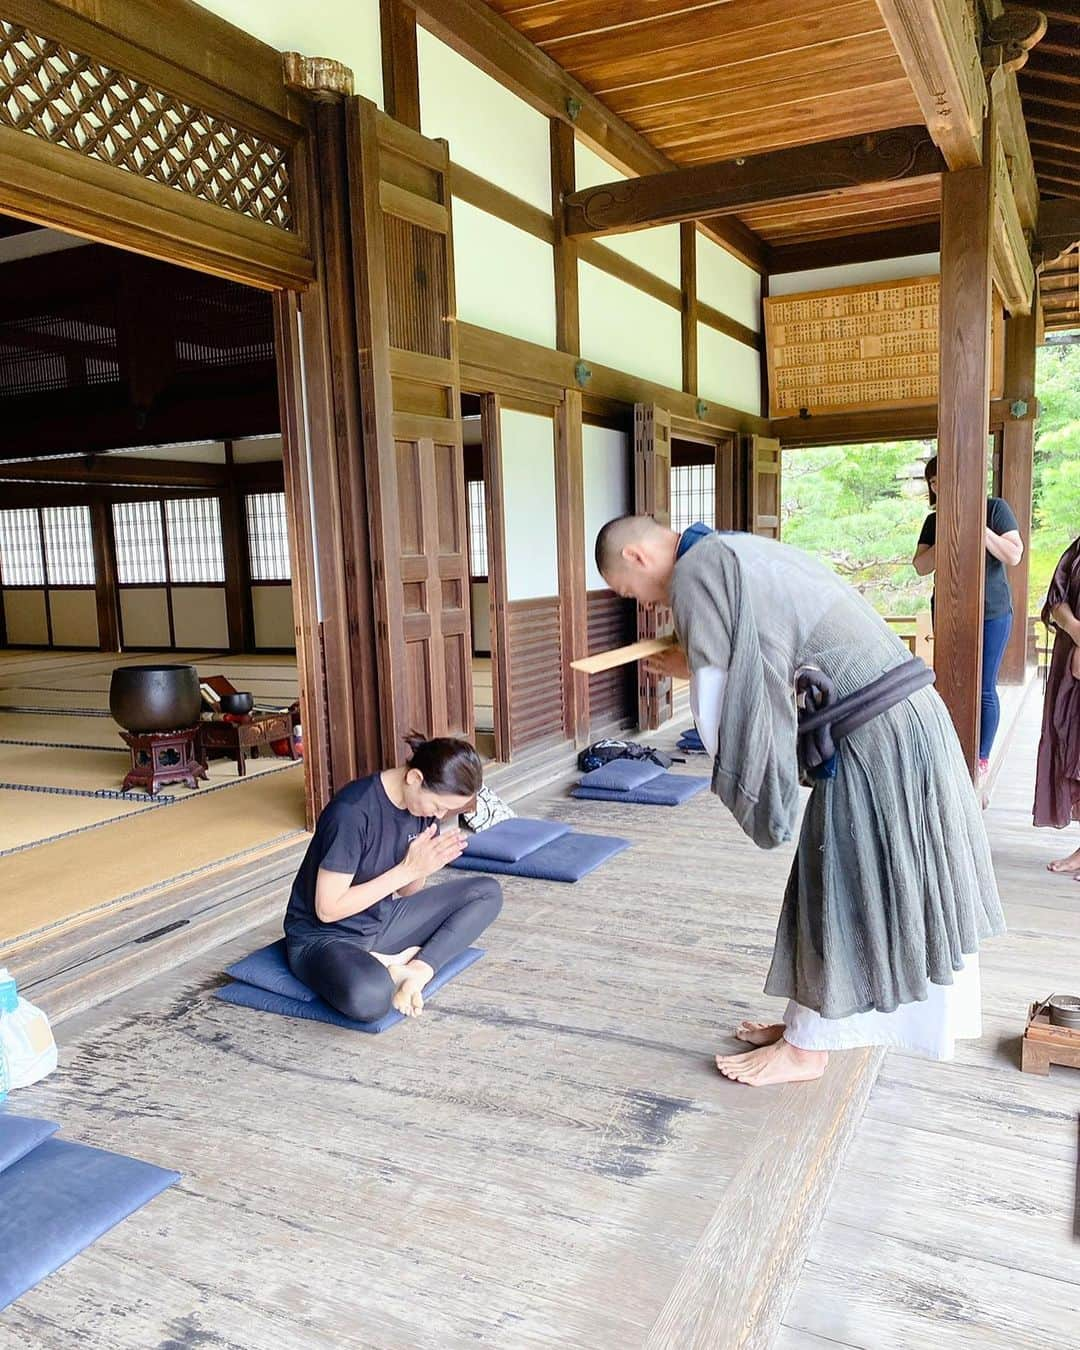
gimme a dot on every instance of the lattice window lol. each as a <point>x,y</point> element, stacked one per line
<point>193,527</point>
<point>69,545</point>
<point>478,548</point>
<point>21,559</point>
<point>73,100</point>
<point>268,536</point>
<point>693,495</point>
<point>140,544</point>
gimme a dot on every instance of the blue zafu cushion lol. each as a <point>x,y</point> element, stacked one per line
<point>58,1199</point>
<point>20,1134</point>
<point>313,1009</point>
<point>622,775</point>
<point>670,789</point>
<point>568,858</point>
<point>268,968</point>
<point>511,840</point>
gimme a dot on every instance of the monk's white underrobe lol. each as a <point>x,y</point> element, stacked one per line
<point>949,1013</point>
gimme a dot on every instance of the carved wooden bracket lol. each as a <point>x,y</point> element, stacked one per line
<point>317,77</point>
<point>1009,38</point>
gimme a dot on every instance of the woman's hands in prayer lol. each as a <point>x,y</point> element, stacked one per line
<point>670,663</point>
<point>429,852</point>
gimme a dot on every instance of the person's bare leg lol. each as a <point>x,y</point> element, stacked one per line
<point>410,980</point>
<point>780,1062</point>
<point>1069,864</point>
<point>759,1033</point>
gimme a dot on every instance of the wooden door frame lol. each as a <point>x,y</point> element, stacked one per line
<point>491,451</point>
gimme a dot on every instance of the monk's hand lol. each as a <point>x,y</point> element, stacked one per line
<point>1074,663</point>
<point>429,852</point>
<point>669,664</point>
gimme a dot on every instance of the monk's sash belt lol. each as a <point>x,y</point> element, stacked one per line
<point>823,722</point>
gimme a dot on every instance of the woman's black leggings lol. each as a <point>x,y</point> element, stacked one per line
<point>441,920</point>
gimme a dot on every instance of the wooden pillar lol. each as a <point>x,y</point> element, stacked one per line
<point>570,529</point>
<point>108,613</point>
<point>237,569</point>
<point>967,215</point>
<point>400,63</point>
<point>1017,456</point>
<point>688,278</point>
<point>563,178</point>
<point>491,444</point>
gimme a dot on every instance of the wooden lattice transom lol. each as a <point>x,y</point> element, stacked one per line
<point>73,100</point>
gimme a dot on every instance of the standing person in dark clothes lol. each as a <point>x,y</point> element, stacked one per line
<point>1057,777</point>
<point>360,929</point>
<point>1004,548</point>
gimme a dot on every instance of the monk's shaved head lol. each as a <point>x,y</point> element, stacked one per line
<point>636,557</point>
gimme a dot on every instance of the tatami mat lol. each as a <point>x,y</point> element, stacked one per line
<point>28,817</point>
<point>58,729</point>
<point>92,770</point>
<point>43,886</point>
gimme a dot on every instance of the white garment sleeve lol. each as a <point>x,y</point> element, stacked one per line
<point>706,699</point>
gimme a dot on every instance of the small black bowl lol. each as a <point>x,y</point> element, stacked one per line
<point>236,703</point>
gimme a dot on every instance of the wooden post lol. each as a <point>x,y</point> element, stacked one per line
<point>400,64</point>
<point>567,320</point>
<point>108,613</point>
<point>688,280</point>
<point>491,445</point>
<point>967,215</point>
<point>237,570</point>
<point>1017,456</point>
<point>570,529</point>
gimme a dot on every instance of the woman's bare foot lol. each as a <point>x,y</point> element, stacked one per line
<point>780,1062</point>
<point>1069,864</point>
<point>410,981</point>
<point>759,1033</point>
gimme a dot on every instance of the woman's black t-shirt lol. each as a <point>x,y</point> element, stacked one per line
<point>999,517</point>
<point>363,833</point>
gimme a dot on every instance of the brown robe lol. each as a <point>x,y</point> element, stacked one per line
<point>1057,776</point>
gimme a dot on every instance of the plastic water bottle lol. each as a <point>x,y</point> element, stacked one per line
<point>27,1047</point>
<point>4,1079</point>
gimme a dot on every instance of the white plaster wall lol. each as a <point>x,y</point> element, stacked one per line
<point>144,616</point>
<point>657,250</point>
<point>74,618</point>
<point>24,617</point>
<point>346,30</point>
<point>856,274</point>
<point>627,329</point>
<point>273,611</point>
<point>608,466</point>
<point>728,284</point>
<point>505,278</point>
<point>491,131</point>
<point>200,618</point>
<point>528,461</point>
<point>729,371</point>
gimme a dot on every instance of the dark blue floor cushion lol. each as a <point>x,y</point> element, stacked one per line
<point>512,840</point>
<point>622,775</point>
<point>58,1199</point>
<point>20,1134</point>
<point>568,858</point>
<point>315,1010</point>
<point>268,969</point>
<point>670,789</point>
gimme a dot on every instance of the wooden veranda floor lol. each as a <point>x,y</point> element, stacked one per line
<point>956,1218</point>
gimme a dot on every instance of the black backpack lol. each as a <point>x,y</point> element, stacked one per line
<point>602,752</point>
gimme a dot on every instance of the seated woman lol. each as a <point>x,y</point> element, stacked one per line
<point>360,929</point>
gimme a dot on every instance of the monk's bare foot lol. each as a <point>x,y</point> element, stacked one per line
<point>759,1033</point>
<point>1069,864</point>
<point>397,959</point>
<point>410,980</point>
<point>780,1062</point>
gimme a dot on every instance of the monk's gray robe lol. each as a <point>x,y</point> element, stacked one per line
<point>892,884</point>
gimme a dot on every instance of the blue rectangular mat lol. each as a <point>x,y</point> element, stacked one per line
<point>568,858</point>
<point>268,968</point>
<point>20,1134</point>
<point>58,1199</point>
<point>512,840</point>
<point>622,775</point>
<point>314,1009</point>
<point>670,789</point>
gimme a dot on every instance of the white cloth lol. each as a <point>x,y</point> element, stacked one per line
<point>951,1012</point>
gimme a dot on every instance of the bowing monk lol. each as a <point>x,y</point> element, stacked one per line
<point>1057,776</point>
<point>794,678</point>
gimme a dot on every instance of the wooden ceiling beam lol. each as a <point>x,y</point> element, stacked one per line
<point>940,53</point>
<point>1059,226</point>
<point>735,185</point>
<point>119,469</point>
<point>1047,91</point>
<point>869,247</point>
